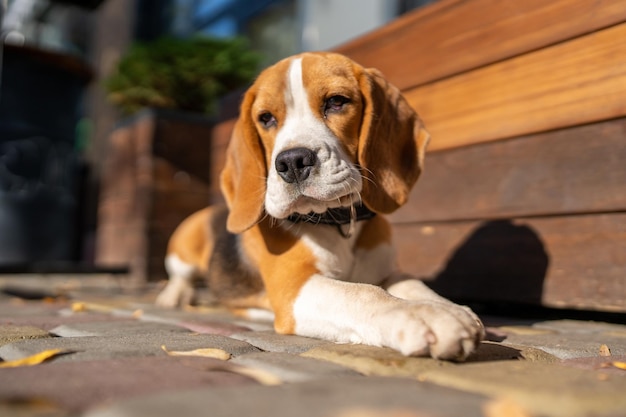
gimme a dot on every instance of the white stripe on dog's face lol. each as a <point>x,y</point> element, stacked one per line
<point>334,181</point>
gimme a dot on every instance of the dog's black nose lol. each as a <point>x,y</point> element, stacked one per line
<point>295,165</point>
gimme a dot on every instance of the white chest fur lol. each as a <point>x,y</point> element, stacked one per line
<point>334,253</point>
<point>339,258</point>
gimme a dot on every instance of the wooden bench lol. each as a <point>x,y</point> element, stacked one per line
<point>524,195</point>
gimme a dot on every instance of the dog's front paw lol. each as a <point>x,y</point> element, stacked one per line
<point>442,330</point>
<point>177,293</point>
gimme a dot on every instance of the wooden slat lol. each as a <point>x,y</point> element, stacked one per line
<point>574,262</point>
<point>577,82</point>
<point>453,36</point>
<point>574,170</point>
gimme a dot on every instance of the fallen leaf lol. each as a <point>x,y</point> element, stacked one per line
<point>504,407</point>
<point>604,350</point>
<point>33,359</point>
<point>204,353</point>
<point>82,307</point>
<point>260,376</point>
<point>79,307</point>
<point>619,365</point>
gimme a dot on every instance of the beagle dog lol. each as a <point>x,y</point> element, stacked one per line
<point>321,150</point>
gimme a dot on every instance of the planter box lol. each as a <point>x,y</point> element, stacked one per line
<point>156,173</point>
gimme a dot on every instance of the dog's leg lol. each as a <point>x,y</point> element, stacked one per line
<point>409,288</point>
<point>179,290</point>
<point>362,313</point>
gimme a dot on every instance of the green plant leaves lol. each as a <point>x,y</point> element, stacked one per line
<point>184,74</point>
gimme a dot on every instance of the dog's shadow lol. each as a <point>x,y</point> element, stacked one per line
<point>500,262</point>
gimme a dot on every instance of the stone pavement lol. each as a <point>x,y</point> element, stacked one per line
<point>115,354</point>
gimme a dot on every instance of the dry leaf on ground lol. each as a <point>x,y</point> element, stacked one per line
<point>259,375</point>
<point>33,359</point>
<point>604,350</point>
<point>204,353</point>
<point>504,407</point>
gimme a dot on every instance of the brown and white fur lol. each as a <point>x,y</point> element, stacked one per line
<point>316,132</point>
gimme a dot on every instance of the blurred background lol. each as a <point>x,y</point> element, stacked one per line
<point>89,179</point>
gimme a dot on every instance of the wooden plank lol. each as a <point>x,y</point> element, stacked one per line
<point>574,170</point>
<point>453,36</point>
<point>567,262</point>
<point>580,81</point>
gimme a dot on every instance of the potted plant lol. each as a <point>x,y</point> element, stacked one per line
<point>181,74</point>
<point>156,171</point>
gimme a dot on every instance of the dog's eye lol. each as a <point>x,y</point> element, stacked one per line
<point>267,119</point>
<point>335,103</point>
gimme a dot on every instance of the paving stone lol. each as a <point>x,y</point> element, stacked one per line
<point>118,306</point>
<point>524,330</point>
<point>369,360</point>
<point>213,314</point>
<point>79,386</point>
<point>579,326</point>
<point>205,320</point>
<point>187,313</point>
<point>50,321</point>
<point>213,327</point>
<point>116,328</point>
<point>20,308</point>
<point>493,351</point>
<point>335,397</point>
<point>171,315</point>
<point>604,364</point>
<point>292,368</point>
<point>216,315</point>
<point>543,389</point>
<point>528,353</point>
<point>272,342</point>
<point>256,325</point>
<point>10,333</point>
<point>111,347</point>
<point>568,345</point>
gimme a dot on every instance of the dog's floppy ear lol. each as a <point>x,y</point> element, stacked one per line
<point>244,174</point>
<point>392,144</point>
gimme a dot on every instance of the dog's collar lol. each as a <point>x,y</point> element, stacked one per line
<point>336,217</point>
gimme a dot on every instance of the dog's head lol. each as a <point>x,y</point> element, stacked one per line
<point>318,131</point>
